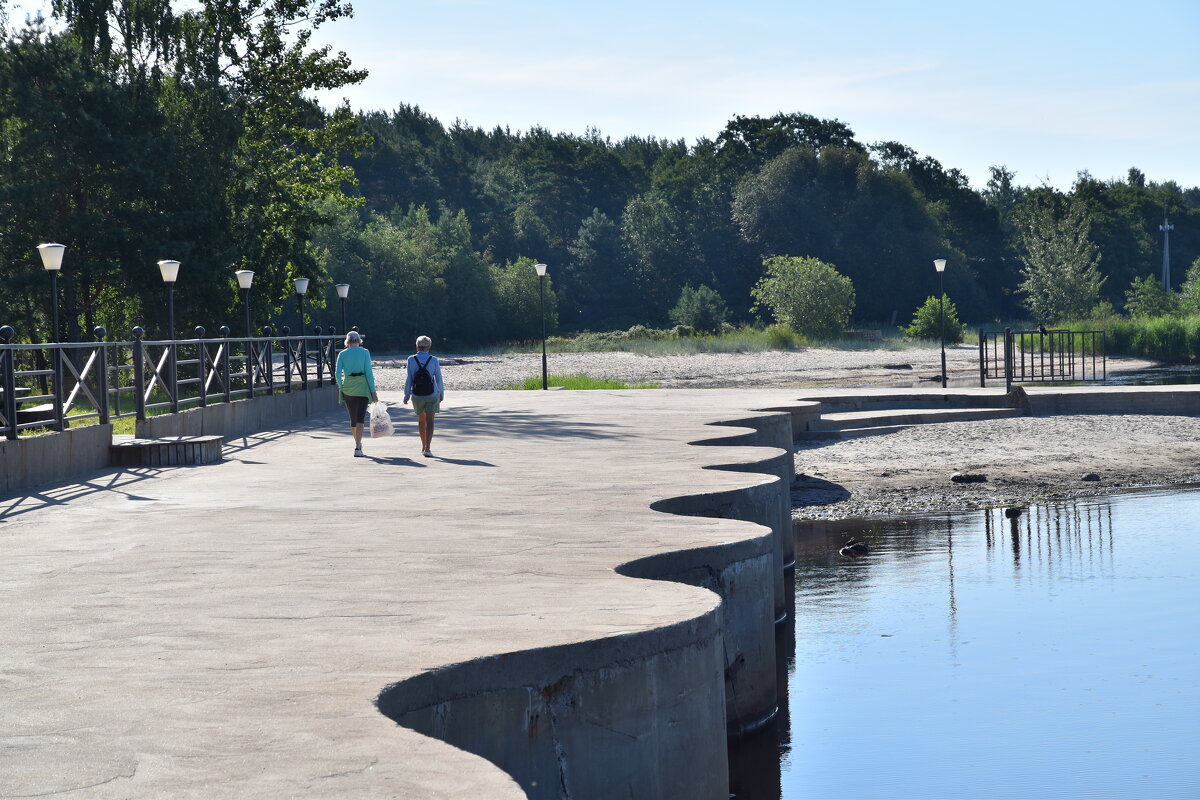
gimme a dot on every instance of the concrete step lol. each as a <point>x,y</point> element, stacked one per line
<point>837,424</point>
<point>903,400</point>
<point>850,433</point>
<point>174,451</point>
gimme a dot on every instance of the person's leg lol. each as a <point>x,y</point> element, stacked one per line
<point>357,430</point>
<point>423,430</point>
<point>429,415</point>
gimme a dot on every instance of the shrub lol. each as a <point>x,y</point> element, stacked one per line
<point>701,308</point>
<point>782,337</point>
<point>926,322</point>
<point>1147,298</point>
<point>806,294</point>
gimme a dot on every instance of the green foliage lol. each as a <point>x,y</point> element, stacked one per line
<point>577,381</point>
<point>1061,277</point>
<point>700,309</point>
<point>783,337</point>
<point>806,294</point>
<point>518,305</point>
<point>1189,292</point>
<point>1172,339</point>
<point>927,321</point>
<point>1147,298</point>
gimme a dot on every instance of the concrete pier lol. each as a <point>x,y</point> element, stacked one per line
<point>572,598</point>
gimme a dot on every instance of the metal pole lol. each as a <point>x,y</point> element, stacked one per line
<point>942,319</point>
<point>8,367</point>
<point>246,302</point>
<point>343,315</point>
<point>172,375</point>
<point>102,373</point>
<point>542,309</point>
<point>54,295</point>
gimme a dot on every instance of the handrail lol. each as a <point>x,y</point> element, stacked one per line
<point>87,380</point>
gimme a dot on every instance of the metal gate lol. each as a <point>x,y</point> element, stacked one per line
<point>1042,356</point>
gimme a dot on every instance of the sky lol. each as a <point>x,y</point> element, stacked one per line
<point>1047,89</point>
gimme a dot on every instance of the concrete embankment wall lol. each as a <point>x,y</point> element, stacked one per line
<point>647,714</point>
<point>63,456</point>
<point>241,417</point>
<point>33,461</point>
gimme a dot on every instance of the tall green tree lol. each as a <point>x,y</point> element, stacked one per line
<point>1061,278</point>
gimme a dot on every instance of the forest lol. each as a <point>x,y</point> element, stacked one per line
<point>130,133</point>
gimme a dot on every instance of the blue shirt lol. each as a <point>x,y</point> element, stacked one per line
<point>435,370</point>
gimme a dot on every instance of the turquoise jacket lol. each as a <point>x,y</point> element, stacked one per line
<point>353,371</point>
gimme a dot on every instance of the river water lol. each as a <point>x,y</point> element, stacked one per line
<point>1054,655</point>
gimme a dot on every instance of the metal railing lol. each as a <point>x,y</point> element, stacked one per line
<point>1042,356</point>
<point>51,386</point>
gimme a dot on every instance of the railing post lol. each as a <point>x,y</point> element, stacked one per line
<point>202,358</point>
<point>102,376</point>
<point>225,364</point>
<point>56,366</point>
<point>139,372</point>
<point>269,358</point>
<point>982,359</point>
<point>1008,360</point>
<point>173,372</point>
<point>9,368</point>
<point>286,330</point>
<point>303,359</point>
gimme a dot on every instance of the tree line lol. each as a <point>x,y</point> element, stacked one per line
<point>131,133</point>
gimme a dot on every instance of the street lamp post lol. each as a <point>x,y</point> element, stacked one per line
<point>940,265</point>
<point>343,290</point>
<point>170,272</point>
<point>245,277</point>
<point>541,271</point>
<point>52,255</point>
<point>301,290</point>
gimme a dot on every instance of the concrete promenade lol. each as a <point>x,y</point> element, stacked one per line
<point>234,629</point>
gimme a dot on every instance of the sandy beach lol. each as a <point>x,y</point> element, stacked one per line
<point>1025,459</point>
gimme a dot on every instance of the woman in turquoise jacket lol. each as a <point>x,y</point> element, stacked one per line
<point>356,385</point>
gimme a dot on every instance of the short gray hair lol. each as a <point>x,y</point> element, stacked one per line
<point>353,336</point>
<point>424,342</point>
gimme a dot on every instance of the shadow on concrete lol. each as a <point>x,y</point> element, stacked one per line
<point>113,481</point>
<point>475,421</point>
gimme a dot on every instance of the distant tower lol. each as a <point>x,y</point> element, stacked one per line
<point>1166,229</point>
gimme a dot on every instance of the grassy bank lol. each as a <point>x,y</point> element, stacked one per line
<point>1170,338</point>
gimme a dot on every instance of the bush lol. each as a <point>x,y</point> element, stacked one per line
<point>683,331</point>
<point>1147,298</point>
<point>782,337</point>
<point>701,309</point>
<point>926,322</point>
<point>806,294</point>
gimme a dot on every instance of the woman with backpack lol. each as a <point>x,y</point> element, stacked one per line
<point>423,383</point>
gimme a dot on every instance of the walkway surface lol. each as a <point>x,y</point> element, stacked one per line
<point>224,630</point>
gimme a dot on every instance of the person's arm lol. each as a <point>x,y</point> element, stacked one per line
<point>340,369</point>
<point>408,373</point>
<point>439,387</point>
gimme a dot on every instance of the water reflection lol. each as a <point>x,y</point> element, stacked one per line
<point>984,655</point>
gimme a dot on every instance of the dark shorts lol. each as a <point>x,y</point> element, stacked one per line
<point>357,408</point>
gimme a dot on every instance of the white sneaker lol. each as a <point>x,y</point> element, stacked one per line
<point>358,453</point>
<point>427,453</point>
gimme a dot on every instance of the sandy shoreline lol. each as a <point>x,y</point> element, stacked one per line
<point>1026,459</point>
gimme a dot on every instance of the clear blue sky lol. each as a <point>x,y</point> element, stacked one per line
<point>1046,88</point>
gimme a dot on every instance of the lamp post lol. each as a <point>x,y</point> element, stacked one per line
<point>541,271</point>
<point>245,277</point>
<point>170,272</point>
<point>301,290</point>
<point>940,265</point>
<point>52,255</point>
<point>343,290</point>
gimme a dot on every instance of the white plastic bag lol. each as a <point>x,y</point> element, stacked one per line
<point>381,421</point>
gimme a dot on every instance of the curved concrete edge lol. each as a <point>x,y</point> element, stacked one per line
<point>645,714</point>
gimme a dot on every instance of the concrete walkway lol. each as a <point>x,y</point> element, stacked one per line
<point>225,630</point>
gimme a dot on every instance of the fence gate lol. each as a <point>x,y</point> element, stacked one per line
<point>1042,356</point>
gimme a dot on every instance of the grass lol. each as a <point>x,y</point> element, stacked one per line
<point>576,381</point>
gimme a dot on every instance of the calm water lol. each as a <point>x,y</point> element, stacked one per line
<point>973,656</point>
